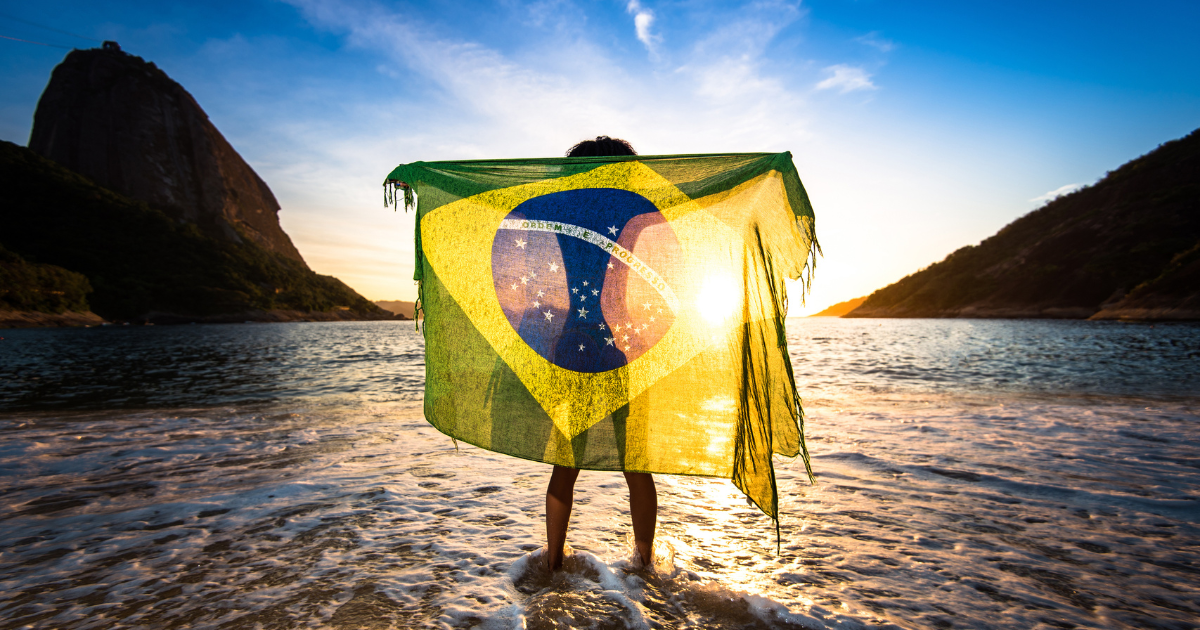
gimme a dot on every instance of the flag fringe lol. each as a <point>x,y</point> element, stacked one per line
<point>390,198</point>
<point>419,306</point>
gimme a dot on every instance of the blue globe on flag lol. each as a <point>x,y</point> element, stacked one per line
<point>577,274</point>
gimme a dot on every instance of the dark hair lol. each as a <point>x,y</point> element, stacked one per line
<point>602,146</point>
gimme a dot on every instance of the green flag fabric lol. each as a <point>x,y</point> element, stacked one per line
<point>614,313</point>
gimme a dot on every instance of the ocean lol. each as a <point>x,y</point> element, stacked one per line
<point>970,474</point>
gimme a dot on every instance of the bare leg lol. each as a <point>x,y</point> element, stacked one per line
<point>643,507</point>
<point>559,496</point>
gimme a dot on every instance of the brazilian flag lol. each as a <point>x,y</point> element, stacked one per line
<point>614,313</point>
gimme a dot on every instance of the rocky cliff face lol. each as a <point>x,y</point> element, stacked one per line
<point>124,123</point>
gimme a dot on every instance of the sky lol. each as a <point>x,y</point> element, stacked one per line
<point>917,127</point>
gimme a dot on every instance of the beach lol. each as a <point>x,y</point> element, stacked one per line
<point>971,474</point>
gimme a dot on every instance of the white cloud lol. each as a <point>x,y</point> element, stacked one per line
<point>873,40</point>
<point>643,19</point>
<point>846,79</point>
<point>1057,192</point>
<point>747,32</point>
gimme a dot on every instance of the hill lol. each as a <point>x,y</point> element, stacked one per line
<point>28,287</point>
<point>405,310</point>
<point>144,265</point>
<point>1126,247</point>
<point>123,123</point>
<point>1173,294</point>
<point>41,295</point>
<point>841,308</point>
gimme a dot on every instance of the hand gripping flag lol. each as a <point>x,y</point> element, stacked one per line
<point>614,313</point>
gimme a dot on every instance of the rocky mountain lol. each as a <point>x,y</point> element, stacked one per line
<point>143,265</point>
<point>124,124</point>
<point>1127,247</point>
<point>143,203</point>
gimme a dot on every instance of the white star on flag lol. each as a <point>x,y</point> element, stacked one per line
<point>646,306</point>
<point>583,298</point>
<point>609,340</point>
<point>610,265</point>
<point>585,283</point>
<point>524,279</point>
<point>520,243</point>
<point>553,267</point>
<point>613,229</point>
<point>581,347</point>
<point>541,294</point>
<point>601,325</point>
<point>583,313</point>
<point>514,287</point>
<point>536,304</point>
<point>574,289</point>
<point>595,292</point>
<point>549,315</point>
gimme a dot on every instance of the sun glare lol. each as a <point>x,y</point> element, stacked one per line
<point>717,298</point>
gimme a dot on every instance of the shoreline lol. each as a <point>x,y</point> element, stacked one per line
<point>38,319</point>
<point>70,319</point>
<point>1077,314</point>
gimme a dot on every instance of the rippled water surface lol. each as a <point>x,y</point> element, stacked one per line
<point>971,474</point>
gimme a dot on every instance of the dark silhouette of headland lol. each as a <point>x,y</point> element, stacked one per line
<point>42,295</point>
<point>1127,247</point>
<point>402,309</point>
<point>131,198</point>
<point>841,308</point>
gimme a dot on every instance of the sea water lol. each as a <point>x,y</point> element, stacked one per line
<point>970,474</point>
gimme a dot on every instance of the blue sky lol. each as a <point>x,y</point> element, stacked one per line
<point>917,127</point>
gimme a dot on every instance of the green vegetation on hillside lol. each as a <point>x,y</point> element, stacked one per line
<point>1178,286</point>
<point>1072,255</point>
<point>44,288</point>
<point>139,261</point>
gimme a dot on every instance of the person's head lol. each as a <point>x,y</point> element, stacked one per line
<point>602,146</point>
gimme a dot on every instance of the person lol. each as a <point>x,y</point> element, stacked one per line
<point>643,497</point>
